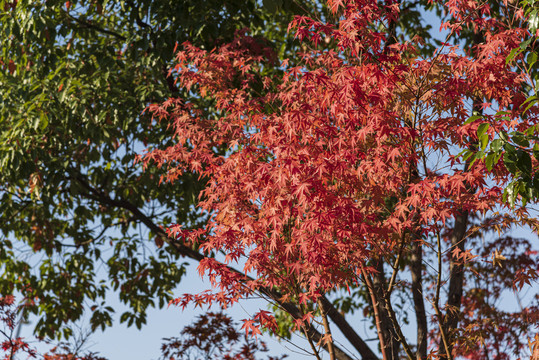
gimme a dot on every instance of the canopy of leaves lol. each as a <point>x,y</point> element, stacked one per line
<point>79,217</point>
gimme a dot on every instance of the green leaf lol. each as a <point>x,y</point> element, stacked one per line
<point>482,129</point>
<point>533,21</point>
<point>510,158</point>
<point>524,162</point>
<point>483,141</point>
<point>489,161</point>
<point>478,156</point>
<point>536,151</point>
<point>531,101</point>
<point>509,194</point>
<point>512,55</point>
<point>524,45</point>
<point>466,154</point>
<point>531,59</point>
<point>520,139</point>
<point>496,145</point>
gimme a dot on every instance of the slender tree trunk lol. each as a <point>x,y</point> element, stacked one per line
<point>416,269</point>
<point>417,295</point>
<point>456,268</point>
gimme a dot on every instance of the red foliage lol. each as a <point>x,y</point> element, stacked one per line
<point>11,344</point>
<point>347,159</point>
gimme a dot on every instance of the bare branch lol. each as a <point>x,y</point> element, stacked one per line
<point>327,330</point>
<point>89,25</point>
<point>437,300</point>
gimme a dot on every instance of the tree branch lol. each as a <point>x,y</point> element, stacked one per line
<point>311,344</point>
<point>377,318</point>
<point>388,329</point>
<point>170,81</point>
<point>95,27</point>
<point>327,330</point>
<point>397,328</point>
<point>416,261</point>
<point>138,20</point>
<point>439,317</point>
<point>456,279</point>
<point>350,334</point>
<point>396,266</point>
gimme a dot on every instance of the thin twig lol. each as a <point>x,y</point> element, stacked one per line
<point>378,322</point>
<point>327,329</point>
<point>311,342</point>
<point>437,297</point>
<point>95,27</point>
<point>395,268</point>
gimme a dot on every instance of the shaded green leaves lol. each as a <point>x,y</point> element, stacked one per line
<point>272,5</point>
<point>514,149</point>
<point>71,100</point>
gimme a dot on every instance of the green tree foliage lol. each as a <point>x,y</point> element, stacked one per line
<point>78,216</point>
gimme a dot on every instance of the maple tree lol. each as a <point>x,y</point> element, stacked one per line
<point>342,184</point>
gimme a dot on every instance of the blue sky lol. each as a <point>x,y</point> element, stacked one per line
<point>120,342</point>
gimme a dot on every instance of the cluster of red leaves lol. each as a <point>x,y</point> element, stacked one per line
<point>313,173</point>
<point>11,345</point>
<point>212,335</point>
